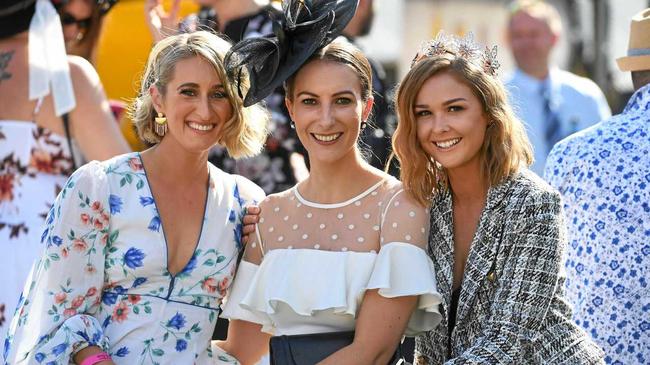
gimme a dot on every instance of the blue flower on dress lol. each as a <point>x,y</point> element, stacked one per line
<point>39,357</point>
<point>115,203</point>
<point>121,352</point>
<point>109,298</point>
<point>146,200</point>
<point>177,321</point>
<point>59,349</point>
<point>57,240</point>
<point>154,225</point>
<point>181,345</point>
<point>139,281</point>
<point>133,258</point>
<point>44,235</point>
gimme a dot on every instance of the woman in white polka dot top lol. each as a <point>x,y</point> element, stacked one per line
<point>342,250</point>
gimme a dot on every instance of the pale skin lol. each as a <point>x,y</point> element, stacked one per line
<point>163,23</point>
<point>327,101</point>
<point>89,120</point>
<point>177,167</point>
<point>447,116</point>
<point>532,40</point>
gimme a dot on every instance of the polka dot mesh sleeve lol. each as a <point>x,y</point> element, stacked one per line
<point>405,221</point>
<point>289,221</point>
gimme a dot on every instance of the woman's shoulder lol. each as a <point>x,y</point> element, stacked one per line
<point>527,188</point>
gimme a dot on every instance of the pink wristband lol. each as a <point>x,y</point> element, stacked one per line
<point>94,359</point>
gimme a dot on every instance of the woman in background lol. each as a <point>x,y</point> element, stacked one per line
<point>40,86</point>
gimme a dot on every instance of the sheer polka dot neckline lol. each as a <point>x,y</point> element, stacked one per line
<point>336,205</point>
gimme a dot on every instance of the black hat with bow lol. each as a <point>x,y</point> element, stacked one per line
<point>305,27</point>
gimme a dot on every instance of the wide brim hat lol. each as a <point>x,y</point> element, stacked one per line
<point>638,51</point>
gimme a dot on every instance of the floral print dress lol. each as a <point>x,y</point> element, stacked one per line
<point>34,165</point>
<point>103,279</point>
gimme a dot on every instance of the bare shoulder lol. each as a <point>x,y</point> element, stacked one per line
<point>83,74</point>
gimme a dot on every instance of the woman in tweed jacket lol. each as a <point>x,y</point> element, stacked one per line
<point>497,234</point>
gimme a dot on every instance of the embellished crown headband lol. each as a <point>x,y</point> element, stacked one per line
<point>463,47</point>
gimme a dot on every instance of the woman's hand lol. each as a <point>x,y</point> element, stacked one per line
<point>250,220</point>
<point>161,23</point>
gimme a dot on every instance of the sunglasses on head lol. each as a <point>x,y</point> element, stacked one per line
<point>69,19</point>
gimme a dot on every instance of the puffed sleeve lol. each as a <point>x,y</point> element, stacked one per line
<point>55,316</point>
<point>402,267</point>
<point>252,195</point>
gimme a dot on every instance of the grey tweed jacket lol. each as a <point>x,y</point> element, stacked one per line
<point>511,308</point>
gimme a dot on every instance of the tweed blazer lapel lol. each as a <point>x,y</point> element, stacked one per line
<point>441,246</point>
<point>485,245</point>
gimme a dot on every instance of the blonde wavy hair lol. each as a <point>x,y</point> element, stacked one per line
<point>505,149</point>
<point>243,135</point>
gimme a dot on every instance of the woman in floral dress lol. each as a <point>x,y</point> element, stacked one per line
<point>140,249</point>
<point>35,156</point>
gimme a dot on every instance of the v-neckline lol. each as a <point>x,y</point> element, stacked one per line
<point>162,225</point>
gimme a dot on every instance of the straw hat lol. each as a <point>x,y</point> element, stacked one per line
<point>638,50</point>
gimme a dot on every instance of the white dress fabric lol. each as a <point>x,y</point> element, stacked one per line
<point>103,279</point>
<point>311,264</point>
<point>35,163</point>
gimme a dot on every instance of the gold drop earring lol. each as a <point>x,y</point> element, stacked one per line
<point>160,126</point>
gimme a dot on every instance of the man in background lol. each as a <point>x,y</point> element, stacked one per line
<point>552,103</point>
<point>603,174</point>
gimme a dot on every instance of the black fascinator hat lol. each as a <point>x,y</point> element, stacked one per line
<point>15,16</point>
<point>305,26</point>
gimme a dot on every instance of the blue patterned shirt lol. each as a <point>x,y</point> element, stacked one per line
<point>603,174</point>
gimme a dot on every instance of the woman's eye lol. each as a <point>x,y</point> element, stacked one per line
<point>219,95</point>
<point>455,108</point>
<point>343,101</point>
<point>422,113</point>
<point>188,92</point>
<point>308,101</point>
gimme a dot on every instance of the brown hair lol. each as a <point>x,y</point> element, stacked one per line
<point>505,149</point>
<point>340,51</point>
<point>243,135</point>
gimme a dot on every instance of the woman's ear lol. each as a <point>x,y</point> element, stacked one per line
<point>367,109</point>
<point>156,99</point>
<point>289,104</point>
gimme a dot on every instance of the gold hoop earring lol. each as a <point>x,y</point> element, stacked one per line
<point>160,126</point>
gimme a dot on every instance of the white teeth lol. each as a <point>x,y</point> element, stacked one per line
<point>200,127</point>
<point>327,137</point>
<point>447,144</point>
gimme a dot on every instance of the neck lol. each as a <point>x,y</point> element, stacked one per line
<point>540,73</point>
<point>167,162</point>
<point>335,182</point>
<point>468,185</point>
<point>228,10</point>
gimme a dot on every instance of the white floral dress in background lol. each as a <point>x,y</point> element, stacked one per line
<point>103,279</point>
<point>34,166</point>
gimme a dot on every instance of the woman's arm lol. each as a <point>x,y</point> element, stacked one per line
<point>527,284</point>
<point>92,124</point>
<point>380,326</point>
<point>55,318</point>
<point>245,341</point>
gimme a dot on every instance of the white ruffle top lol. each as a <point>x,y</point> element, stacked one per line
<point>310,265</point>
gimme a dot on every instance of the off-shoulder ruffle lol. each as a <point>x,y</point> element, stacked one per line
<point>308,281</point>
